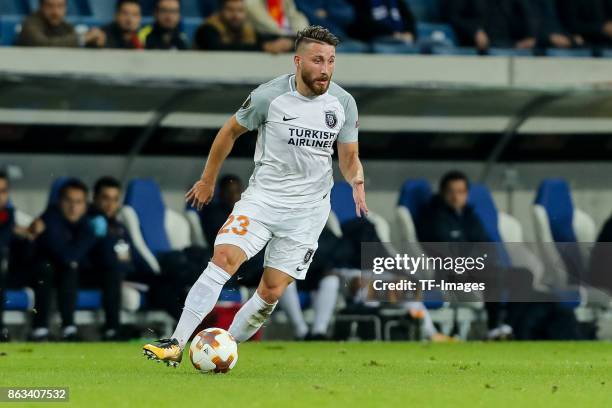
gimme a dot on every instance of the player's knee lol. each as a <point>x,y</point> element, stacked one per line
<point>226,259</point>
<point>270,293</point>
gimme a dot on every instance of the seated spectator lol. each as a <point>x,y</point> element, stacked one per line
<point>275,17</point>
<point>14,250</point>
<point>165,33</point>
<point>229,30</point>
<point>450,219</point>
<point>378,20</point>
<point>7,226</point>
<point>123,32</point>
<point>335,15</point>
<point>47,27</point>
<point>550,31</point>
<point>63,260</point>
<point>492,23</point>
<point>591,19</point>
<point>115,250</point>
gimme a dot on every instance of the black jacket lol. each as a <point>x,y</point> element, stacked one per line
<point>587,18</point>
<point>440,223</point>
<point>161,39</point>
<point>65,243</point>
<point>115,244</point>
<point>366,28</point>
<point>115,38</point>
<point>212,218</point>
<point>504,21</point>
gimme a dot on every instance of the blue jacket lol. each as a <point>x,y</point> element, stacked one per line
<point>64,242</point>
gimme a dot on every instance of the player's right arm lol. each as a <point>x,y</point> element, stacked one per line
<point>203,190</point>
<point>250,116</point>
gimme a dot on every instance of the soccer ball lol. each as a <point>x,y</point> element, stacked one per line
<point>213,350</point>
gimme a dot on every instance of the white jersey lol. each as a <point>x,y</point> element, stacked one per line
<point>293,157</point>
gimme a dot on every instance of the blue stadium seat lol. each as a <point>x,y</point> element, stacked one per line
<point>55,189</point>
<point>144,196</point>
<point>13,7</point>
<point>433,299</point>
<point>481,200</point>
<point>8,29</point>
<point>555,197</point>
<point>415,195</point>
<point>104,10</point>
<point>190,26</point>
<point>557,220</point>
<point>394,48</point>
<point>342,203</point>
<point>90,299</point>
<point>436,34</point>
<point>607,53</point>
<point>425,10</point>
<point>557,52</point>
<point>19,299</point>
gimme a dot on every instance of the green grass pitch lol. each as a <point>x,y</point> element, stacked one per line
<point>274,374</point>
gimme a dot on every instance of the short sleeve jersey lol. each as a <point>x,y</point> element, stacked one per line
<point>295,141</point>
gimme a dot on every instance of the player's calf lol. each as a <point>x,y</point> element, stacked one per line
<point>254,313</point>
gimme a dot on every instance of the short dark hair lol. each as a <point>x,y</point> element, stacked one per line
<point>453,175</point>
<point>106,182</point>
<point>316,34</point>
<point>120,3</point>
<point>72,184</point>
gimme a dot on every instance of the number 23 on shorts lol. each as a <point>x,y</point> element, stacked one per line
<point>243,223</point>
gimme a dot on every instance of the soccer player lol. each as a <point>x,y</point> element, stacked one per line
<point>298,116</point>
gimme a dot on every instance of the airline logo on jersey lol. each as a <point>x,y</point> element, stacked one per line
<point>311,138</point>
<point>331,120</point>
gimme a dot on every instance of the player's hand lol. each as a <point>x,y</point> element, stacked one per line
<point>201,194</point>
<point>361,207</point>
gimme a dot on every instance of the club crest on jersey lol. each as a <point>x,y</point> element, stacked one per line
<point>308,255</point>
<point>331,120</point>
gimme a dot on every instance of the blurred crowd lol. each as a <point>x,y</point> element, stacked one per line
<point>77,243</point>
<point>270,25</point>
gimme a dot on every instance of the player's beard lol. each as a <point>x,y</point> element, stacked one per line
<point>316,88</point>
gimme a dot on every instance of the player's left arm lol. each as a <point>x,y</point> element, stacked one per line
<point>348,154</point>
<point>352,170</point>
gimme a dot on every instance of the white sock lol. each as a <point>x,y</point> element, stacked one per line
<point>324,303</point>
<point>290,303</point>
<point>251,316</point>
<point>201,299</point>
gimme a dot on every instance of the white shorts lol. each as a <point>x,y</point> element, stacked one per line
<point>292,235</point>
